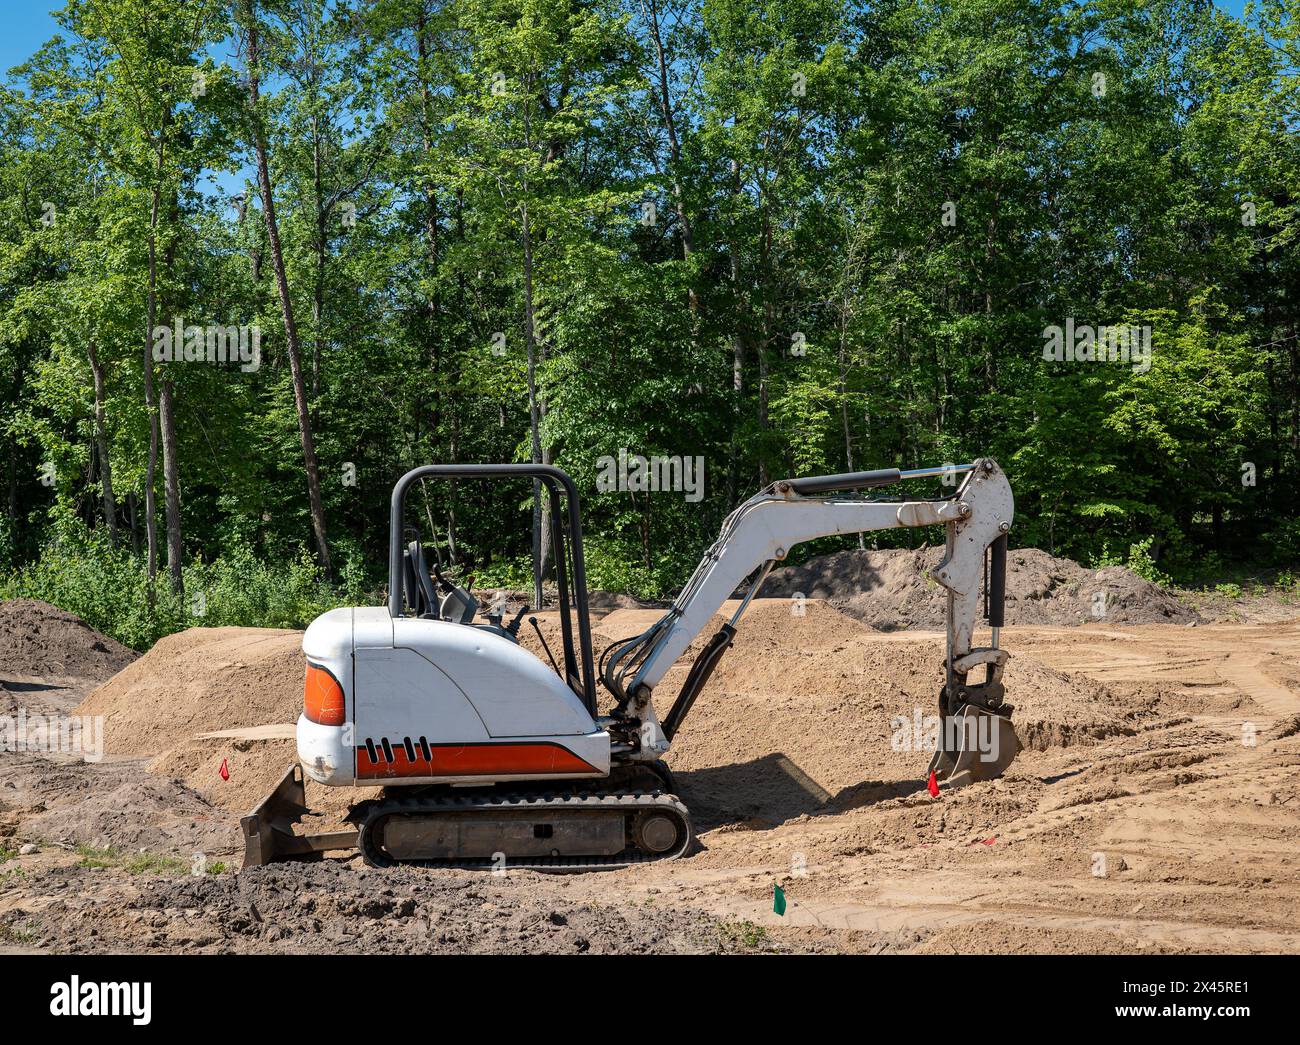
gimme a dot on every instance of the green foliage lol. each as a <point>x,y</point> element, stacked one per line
<point>109,589</point>
<point>744,934</point>
<point>617,566</point>
<point>1141,563</point>
<point>864,217</point>
<point>18,933</point>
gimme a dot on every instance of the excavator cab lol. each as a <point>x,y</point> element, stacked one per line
<point>419,589</point>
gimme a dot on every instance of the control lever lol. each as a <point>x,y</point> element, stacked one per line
<point>513,626</point>
<point>545,645</point>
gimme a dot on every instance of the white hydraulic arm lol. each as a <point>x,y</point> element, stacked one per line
<point>764,529</point>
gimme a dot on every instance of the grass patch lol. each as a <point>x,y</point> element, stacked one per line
<point>6,853</point>
<point>132,863</point>
<point>743,934</point>
<point>17,933</point>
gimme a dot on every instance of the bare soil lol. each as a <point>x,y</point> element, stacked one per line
<point>891,590</point>
<point>37,639</point>
<point>1155,807</point>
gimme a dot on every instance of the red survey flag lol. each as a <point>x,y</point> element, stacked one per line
<point>932,785</point>
<point>225,772</point>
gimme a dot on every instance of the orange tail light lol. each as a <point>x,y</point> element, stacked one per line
<point>323,697</point>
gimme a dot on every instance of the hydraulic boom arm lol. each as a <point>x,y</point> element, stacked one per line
<point>764,529</point>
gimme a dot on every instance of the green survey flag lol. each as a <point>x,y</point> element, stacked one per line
<point>778,899</point>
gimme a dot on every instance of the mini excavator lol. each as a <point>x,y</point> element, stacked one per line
<point>490,757</point>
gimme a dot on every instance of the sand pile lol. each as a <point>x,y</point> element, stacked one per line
<point>891,590</point>
<point>139,813</point>
<point>811,710</point>
<point>600,602</point>
<point>806,710</point>
<point>200,681</point>
<point>209,696</point>
<point>255,760</point>
<point>40,640</point>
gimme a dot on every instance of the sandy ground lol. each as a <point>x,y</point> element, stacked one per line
<point>1155,809</point>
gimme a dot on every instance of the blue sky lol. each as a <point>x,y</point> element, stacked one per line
<point>26,24</point>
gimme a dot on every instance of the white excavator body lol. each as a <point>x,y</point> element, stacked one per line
<point>408,702</point>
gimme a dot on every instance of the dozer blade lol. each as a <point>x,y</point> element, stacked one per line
<point>268,829</point>
<point>974,745</point>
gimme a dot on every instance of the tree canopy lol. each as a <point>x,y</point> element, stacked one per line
<point>784,237</point>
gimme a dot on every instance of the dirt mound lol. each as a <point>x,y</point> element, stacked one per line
<point>255,761</point>
<point>809,708</point>
<point>209,696</point>
<point>995,936</point>
<point>601,602</point>
<point>144,814</point>
<point>813,712</point>
<point>891,590</point>
<point>203,680</point>
<point>40,640</point>
<point>109,804</point>
<point>807,715</point>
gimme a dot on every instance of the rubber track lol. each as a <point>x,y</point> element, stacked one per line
<point>620,803</point>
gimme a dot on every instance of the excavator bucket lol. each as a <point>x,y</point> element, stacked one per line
<point>974,745</point>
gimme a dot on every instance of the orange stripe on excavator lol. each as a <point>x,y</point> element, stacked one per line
<point>322,699</point>
<point>472,760</point>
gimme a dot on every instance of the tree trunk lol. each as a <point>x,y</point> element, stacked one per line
<point>844,393</point>
<point>282,287</point>
<point>650,9</point>
<point>171,462</point>
<point>101,445</point>
<point>318,282</point>
<point>536,407</point>
<point>131,519</point>
<point>172,488</point>
<point>541,526</point>
<point>764,391</point>
<point>737,352</point>
<point>151,313</point>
